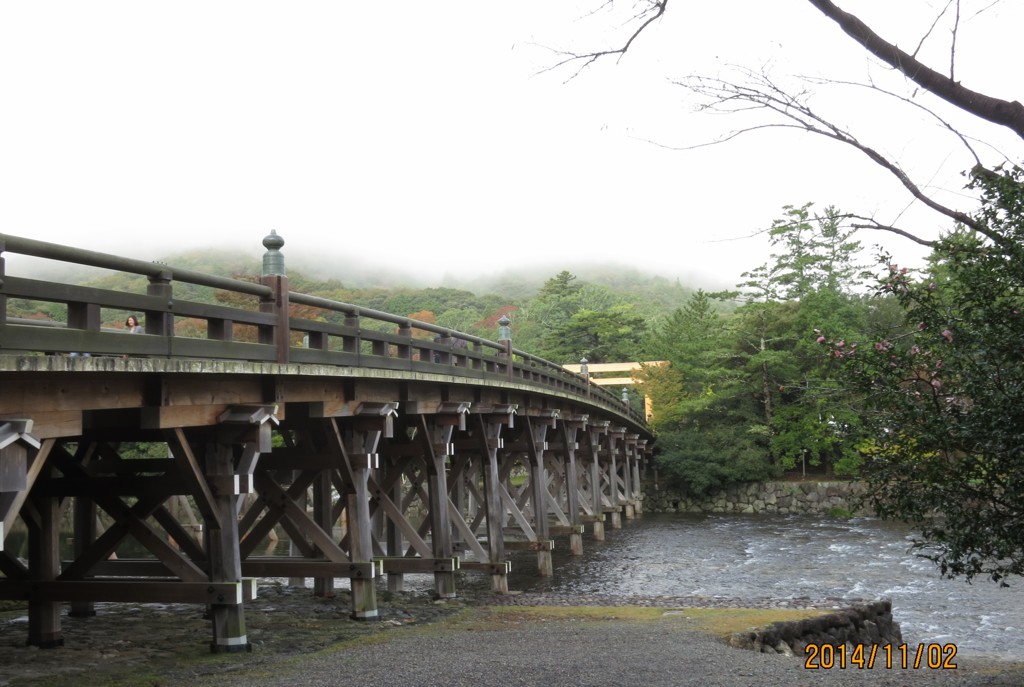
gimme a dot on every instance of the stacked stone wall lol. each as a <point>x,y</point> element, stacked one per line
<point>822,498</point>
<point>866,624</point>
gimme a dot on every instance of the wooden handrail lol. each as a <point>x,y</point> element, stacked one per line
<point>364,338</point>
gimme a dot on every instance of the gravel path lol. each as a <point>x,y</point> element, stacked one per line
<point>565,653</point>
<point>527,650</point>
<point>303,641</point>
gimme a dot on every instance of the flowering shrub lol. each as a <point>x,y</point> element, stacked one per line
<point>943,397</point>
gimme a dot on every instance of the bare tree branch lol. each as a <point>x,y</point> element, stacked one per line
<point>952,45</point>
<point>986,8</point>
<point>928,33</point>
<point>762,94</point>
<point>759,92</point>
<point>647,16</point>
<point>913,103</point>
<point>1003,112</point>
<point>873,224</point>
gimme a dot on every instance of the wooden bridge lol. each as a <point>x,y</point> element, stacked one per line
<point>381,446</point>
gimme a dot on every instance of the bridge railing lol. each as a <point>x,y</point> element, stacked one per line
<point>258,322</point>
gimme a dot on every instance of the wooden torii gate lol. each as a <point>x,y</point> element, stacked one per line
<point>591,369</point>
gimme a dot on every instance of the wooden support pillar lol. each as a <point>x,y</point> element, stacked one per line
<point>437,436</point>
<point>441,526</point>
<point>489,426</point>
<point>615,514</point>
<point>294,549</point>
<point>536,429</point>
<point>323,586</point>
<point>354,452</point>
<point>598,528</point>
<point>459,498</point>
<point>44,628</point>
<point>362,436</point>
<point>593,436</point>
<point>84,533</point>
<point>627,480</point>
<point>641,452</point>
<point>568,430</point>
<point>396,580</point>
<point>227,614</point>
<point>364,589</point>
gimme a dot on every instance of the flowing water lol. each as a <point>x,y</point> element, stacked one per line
<point>788,557</point>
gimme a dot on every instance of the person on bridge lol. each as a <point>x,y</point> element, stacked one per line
<point>132,324</point>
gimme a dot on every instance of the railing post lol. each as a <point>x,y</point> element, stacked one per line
<point>274,276</point>
<point>161,322</point>
<point>352,344</point>
<point>505,338</point>
<point>84,316</point>
<point>405,350</point>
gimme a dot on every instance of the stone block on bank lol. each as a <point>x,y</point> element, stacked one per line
<point>785,498</point>
<point>862,624</point>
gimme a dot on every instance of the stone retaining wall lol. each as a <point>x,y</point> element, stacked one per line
<point>762,497</point>
<point>867,624</point>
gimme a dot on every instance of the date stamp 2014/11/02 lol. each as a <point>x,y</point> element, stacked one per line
<point>888,656</point>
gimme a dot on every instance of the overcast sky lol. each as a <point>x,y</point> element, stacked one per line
<point>427,136</point>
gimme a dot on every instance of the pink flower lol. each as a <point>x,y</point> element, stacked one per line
<point>920,326</point>
<point>821,339</point>
<point>948,335</point>
<point>936,384</point>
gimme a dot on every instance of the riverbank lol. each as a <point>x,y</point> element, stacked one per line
<point>525,639</point>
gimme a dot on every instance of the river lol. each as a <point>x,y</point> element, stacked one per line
<point>789,557</point>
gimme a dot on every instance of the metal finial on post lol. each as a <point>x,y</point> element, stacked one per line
<point>273,259</point>
<point>505,339</point>
<point>504,330</point>
<point>278,334</point>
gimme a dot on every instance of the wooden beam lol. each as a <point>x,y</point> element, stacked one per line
<point>520,545</point>
<point>55,424</point>
<point>612,381</point>
<point>183,455</point>
<point>393,564</point>
<point>126,590</point>
<point>11,504</point>
<point>285,566</point>
<point>498,568</point>
<point>176,417</point>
